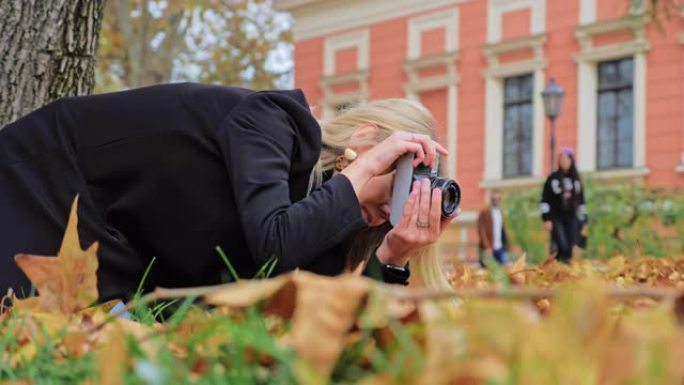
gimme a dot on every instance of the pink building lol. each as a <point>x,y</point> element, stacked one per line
<point>480,65</point>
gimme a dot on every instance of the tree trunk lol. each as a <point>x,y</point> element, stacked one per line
<point>47,51</point>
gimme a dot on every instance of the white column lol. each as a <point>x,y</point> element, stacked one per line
<point>586,116</point>
<point>493,129</point>
<point>538,125</point>
<point>587,11</point>
<point>452,129</point>
<point>639,110</point>
<point>680,167</point>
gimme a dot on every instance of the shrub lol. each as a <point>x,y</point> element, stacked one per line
<point>624,219</point>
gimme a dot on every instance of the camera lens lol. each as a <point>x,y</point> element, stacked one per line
<point>451,195</point>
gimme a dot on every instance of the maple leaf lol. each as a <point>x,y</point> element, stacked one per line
<point>67,282</point>
<point>322,310</point>
<point>516,271</point>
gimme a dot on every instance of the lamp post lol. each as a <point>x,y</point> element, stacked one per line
<point>553,97</point>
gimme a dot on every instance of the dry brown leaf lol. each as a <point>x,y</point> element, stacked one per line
<point>322,309</point>
<point>278,292</point>
<point>32,330</point>
<point>76,343</point>
<point>325,311</point>
<point>112,358</point>
<point>68,282</point>
<point>516,271</point>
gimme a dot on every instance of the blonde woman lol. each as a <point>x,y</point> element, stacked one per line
<point>172,171</point>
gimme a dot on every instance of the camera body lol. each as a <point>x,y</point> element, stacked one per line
<point>406,174</point>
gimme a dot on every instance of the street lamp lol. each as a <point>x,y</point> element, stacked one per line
<point>553,97</point>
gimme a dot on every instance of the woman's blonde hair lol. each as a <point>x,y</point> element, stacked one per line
<point>389,116</point>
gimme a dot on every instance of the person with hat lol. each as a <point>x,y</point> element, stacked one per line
<point>563,207</point>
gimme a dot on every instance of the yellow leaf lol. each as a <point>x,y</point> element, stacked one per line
<point>324,313</point>
<point>112,358</point>
<point>516,272</point>
<point>322,310</point>
<point>76,343</point>
<point>247,293</point>
<point>68,282</point>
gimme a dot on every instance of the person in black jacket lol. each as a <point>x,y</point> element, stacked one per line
<point>562,206</point>
<point>172,171</point>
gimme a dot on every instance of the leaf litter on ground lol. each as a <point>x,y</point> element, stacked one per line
<point>592,322</point>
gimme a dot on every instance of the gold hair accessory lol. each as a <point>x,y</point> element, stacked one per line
<point>349,154</point>
<point>343,161</point>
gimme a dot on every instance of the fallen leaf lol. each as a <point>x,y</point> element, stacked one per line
<point>325,312</point>
<point>322,310</point>
<point>112,358</point>
<point>516,272</point>
<point>67,282</point>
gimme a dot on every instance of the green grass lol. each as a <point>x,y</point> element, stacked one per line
<point>249,353</point>
<point>245,348</point>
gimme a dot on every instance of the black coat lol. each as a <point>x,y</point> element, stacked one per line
<point>171,172</point>
<point>563,197</point>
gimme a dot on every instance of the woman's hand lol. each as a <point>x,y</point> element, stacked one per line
<point>381,157</point>
<point>421,224</point>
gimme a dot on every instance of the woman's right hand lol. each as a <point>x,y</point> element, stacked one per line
<point>379,159</point>
<point>383,155</point>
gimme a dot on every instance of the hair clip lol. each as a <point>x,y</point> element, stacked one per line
<point>350,154</point>
<point>343,161</point>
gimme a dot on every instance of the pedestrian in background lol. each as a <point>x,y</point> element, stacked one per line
<point>491,230</point>
<point>563,207</point>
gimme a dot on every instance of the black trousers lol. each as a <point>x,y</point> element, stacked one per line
<point>565,236</point>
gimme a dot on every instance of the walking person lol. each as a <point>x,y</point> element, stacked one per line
<point>562,206</point>
<point>491,230</point>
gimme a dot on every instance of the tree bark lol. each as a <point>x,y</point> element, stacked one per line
<point>47,51</point>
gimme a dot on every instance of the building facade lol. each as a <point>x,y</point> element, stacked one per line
<point>480,65</point>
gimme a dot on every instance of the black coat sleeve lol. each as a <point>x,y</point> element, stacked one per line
<point>268,138</point>
<point>375,269</point>
<point>546,201</point>
<point>582,209</point>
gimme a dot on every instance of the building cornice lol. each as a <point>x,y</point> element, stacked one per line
<point>586,33</point>
<point>289,5</point>
<point>512,183</point>
<point>314,18</point>
<point>417,84</point>
<point>534,43</point>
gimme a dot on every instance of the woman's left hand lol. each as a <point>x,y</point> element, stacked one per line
<point>421,224</point>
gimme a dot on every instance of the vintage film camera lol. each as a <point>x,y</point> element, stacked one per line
<point>403,181</point>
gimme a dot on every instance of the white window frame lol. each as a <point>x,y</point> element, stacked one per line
<point>503,113</point>
<point>494,78</point>
<point>449,20</point>
<point>587,11</point>
<point>360,40</point>
<point>444,19</point>
<point>314,17</point>
<point>497,8</point>
<point>587,60</point>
